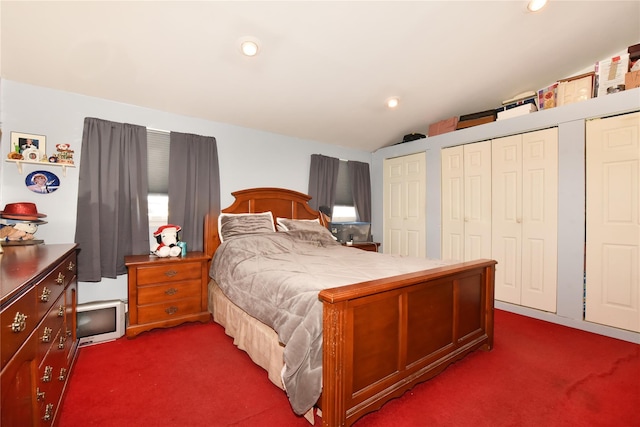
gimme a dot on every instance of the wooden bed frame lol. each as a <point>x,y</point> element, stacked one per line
<point>382,337</point>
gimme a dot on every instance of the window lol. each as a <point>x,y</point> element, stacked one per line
<point>344,209</point>
<point>158,174</point>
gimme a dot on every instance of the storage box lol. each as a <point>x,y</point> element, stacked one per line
<point>632,80</point>
<point>443,126</point>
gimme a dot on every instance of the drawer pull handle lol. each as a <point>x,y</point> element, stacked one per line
<point>71,266</point>
<point>61,311</point>
<point>45,294</point>
<point>171,291</point>
<point>171,310</point>
<point>46,336</point>
<point>62,341</point>
<point>48,412</point>
<point>19,323</point>
<point>39,394</point>
<point>63,374</point>
<point>60,279</point>
<point>48,370</point>
<point>170,273</point>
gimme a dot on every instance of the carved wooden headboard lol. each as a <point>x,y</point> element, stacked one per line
<point>281,202</point>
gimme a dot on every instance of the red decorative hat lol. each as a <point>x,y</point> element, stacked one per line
<point>163,227</point>
<point>22,210</point>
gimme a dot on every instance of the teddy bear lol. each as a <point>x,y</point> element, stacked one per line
<point>166,243</point>
<point>64,154</point>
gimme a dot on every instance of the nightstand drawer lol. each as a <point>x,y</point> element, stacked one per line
<point>168,310</point>
<point>174,272</point>
<point>168,292</point>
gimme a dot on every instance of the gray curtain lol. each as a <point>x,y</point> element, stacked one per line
<point>360,189</point>
<point>323,176</point>
<point>112,219</point>
<point>194,185</point>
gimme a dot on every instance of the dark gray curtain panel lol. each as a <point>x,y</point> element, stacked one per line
<point>323,176</point>
<point>112,219</point>
<point>194,185</point>
<point>361,189</point>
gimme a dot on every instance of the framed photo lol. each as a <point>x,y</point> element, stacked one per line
<point>32,147</point>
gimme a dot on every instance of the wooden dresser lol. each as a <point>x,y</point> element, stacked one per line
<point>38,302</point>
<point>165,292</point>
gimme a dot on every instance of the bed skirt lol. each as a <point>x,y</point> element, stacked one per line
<point>258,340</point>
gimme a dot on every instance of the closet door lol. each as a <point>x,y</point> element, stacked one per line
<point>506,229</point>
<point>613,222</point>
<point>405,205</point>
<point>540,219</point>
<point>524,218</point>
<point>466,201</point>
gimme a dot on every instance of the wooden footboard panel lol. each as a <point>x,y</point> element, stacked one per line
<point>384,336</point>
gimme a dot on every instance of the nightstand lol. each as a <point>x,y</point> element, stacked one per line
<point>365,246</point>
<point>165,292</point>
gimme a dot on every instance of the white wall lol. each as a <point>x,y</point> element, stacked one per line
<point>248,158</point>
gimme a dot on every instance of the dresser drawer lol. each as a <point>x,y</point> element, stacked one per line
<point>18,321</point>
<point>168,292</point>
<point>170,272</point>
<point>168,310</point>
<point>51,329</point>
<point>52,286</point>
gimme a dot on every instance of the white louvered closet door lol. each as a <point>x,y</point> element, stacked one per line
<point>613,222</point>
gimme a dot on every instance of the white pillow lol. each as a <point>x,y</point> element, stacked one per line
<point>234,225</point>
<point>282,223</point>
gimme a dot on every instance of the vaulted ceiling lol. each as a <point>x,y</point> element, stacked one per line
<point>324,69</point>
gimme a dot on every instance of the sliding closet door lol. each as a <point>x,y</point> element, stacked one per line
<point>613,222</point>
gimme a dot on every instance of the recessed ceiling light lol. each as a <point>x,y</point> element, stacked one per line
<point>249,46</point>
<point>536,5</point>
<point>393,102</point>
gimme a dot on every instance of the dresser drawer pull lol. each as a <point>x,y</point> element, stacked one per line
<point>61,311</point>
<point>39,394</point>
<point>60,279</point>
<point>171,310</point>
<point>19,323</point>
<point>170,273</point>
<point>63,339</point>
<point>71,266</point>
<point>46,336</point>
<point>48,370</point>
<point>171,291</point>
<point>45,294</point>
<point>63,374</point>
<point>48,412</point>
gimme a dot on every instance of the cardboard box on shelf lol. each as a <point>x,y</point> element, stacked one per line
<point>443,126</point>
<point>632,80</point>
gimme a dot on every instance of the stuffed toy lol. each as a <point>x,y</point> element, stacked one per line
<point>166,241</point>
<point>20,231</point>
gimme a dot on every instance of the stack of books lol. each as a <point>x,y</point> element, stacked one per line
<point>524,103</point>
<point>476,119</point>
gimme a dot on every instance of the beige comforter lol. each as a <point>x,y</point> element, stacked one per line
<point>276,277</point>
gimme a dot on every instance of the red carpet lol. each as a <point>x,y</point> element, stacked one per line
<point>539,374</point>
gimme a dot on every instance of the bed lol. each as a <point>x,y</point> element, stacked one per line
<point>378,337</point>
